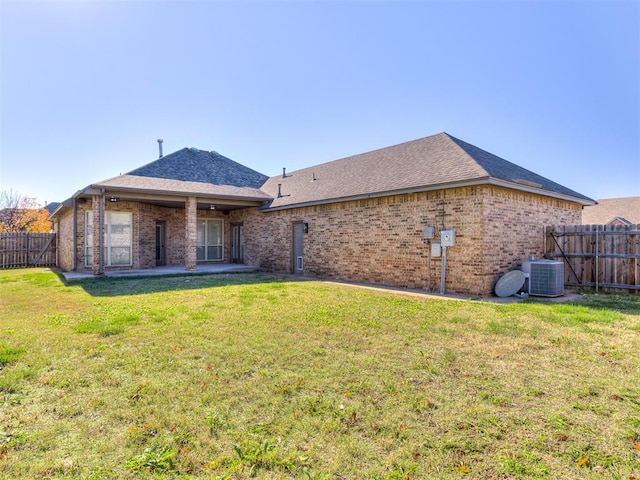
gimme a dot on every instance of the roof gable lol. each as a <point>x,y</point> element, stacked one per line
<point>434,162</point>
<point>193,165</point>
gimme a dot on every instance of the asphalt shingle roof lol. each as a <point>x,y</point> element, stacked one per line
<point>432,162</point>
<point>181,187</point>
<point>193,165</point>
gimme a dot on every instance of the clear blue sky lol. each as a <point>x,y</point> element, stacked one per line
<point>88,86</point>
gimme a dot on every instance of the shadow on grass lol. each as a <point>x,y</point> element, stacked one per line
<point>140,285</point>
<point>627,303</point>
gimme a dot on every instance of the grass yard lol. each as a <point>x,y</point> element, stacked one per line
<point>234,376</point>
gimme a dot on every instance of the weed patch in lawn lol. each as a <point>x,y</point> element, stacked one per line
<point>9,354</point>
<point>154,459</point>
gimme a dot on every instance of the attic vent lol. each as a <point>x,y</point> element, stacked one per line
<point>528,183</point>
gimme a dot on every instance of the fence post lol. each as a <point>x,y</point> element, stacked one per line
<point>27,245</point>
<point>596,259</point>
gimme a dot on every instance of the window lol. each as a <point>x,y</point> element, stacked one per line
<point>117,239</point>
<point>209,239</point>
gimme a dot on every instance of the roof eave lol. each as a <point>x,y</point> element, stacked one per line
<point>388,193</point>
<point>584,201</point>
<point>440,186</point>
<point>98,189</point>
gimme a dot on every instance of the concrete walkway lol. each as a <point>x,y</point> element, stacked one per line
<point>160,271</point>
<point>568,296</point>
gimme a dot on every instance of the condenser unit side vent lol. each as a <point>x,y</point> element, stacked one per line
<point>546,278</point>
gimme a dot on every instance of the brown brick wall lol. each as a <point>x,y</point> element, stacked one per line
<point>63,228</point>
<point>515,228</point>
<point>380,240</point>
<point>144,217</point>
<point>376,240</point>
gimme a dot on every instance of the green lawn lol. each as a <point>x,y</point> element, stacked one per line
<point>233,376</point>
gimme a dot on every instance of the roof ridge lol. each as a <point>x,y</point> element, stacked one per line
<point>381,149</point>
<point>455,141</point>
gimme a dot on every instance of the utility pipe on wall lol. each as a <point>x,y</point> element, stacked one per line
<point>444,269</point>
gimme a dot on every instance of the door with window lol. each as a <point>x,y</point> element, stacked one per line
<point>298,248</point>
<point>237,243</point>
<point>160,250</point>
<point>209,239</point>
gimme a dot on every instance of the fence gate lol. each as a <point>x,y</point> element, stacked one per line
<point>27,250</point>
<point>600,256</point>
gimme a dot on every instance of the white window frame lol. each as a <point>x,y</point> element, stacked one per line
<point>204,242</point>
<point>88,242</point>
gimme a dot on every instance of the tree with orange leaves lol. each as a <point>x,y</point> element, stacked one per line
<point>19,213</point>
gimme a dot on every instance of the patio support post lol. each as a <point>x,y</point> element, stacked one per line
<point>190,240</point>
<point>97,210</point>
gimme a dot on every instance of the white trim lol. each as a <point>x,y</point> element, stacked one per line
<point>206,243</point>
<point>88,246</point>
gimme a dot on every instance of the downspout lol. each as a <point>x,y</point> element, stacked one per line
<point>443,269</point>
<point>101,237</point>
<point>75,234</point>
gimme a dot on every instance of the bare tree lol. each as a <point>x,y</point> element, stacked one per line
<point>19,213</point>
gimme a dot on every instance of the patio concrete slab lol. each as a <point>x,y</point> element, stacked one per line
<point>161,271</point>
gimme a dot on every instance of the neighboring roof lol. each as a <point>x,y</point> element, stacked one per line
<point>430,163</point>
<point>51,207</point>
<point>619,221</point>
<point>193,165</point>
<point>607,209</point>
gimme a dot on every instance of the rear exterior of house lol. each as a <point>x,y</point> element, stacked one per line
<point>381,241</point>
<point>357,219</point>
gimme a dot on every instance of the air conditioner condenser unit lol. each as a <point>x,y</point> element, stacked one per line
<point>546,277</point>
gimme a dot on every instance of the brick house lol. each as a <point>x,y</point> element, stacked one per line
<point>360,218</point>
<point>613,211</point>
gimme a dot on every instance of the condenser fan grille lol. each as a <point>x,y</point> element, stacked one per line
<point>546,278</point>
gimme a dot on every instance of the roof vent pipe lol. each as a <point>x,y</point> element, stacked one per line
<point>284,172</point>
<point>160,147</point>
<point>279,190</point>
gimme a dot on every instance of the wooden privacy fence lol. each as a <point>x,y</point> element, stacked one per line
<point>27,250</point>
<point>599,256</point>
